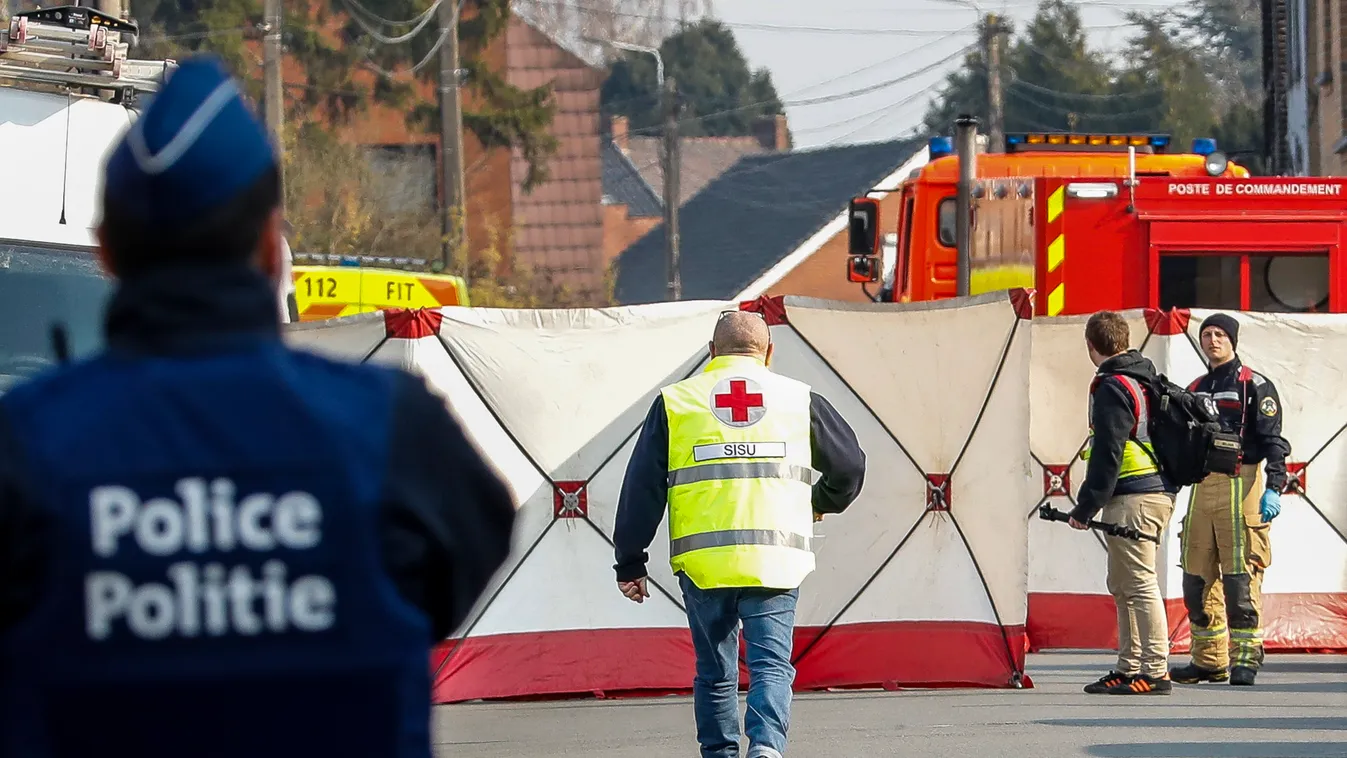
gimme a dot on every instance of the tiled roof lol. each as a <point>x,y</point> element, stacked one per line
<point>703,159</point>
<point>754,215</point>
<point>623,184</point>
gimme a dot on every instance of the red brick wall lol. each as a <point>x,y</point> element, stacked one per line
<point>620,231</point>
<point>559,225</point>
<point>824,274</point>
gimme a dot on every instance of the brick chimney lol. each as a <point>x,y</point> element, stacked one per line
<point>618,126</point>
<point>772,132</point>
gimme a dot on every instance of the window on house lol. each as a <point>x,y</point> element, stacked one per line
<point>406,174</point>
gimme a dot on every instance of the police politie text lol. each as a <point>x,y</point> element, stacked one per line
<point>211,599</point>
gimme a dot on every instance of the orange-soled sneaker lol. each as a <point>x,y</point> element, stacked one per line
<point>1107,681</point>
<point>1143,685</point>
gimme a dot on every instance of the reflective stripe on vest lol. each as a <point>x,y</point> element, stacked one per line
<point>1138,453</point>
<point>737,537</point>
<point>712,471</point>
<point>740,476</point>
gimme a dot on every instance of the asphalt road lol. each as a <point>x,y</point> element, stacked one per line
<point>1298,709</point>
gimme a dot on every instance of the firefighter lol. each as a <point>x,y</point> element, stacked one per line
<point>211,544</point>
<point>733,452</point>
<point>1225,541</point>
<point>1123,480</point>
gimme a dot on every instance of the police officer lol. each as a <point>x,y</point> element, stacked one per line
<point>733,452</point>
<point>1123,481</point>
<point>1225,541</point>
<point>210,544</point>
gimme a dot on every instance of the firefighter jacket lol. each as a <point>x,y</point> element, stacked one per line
<point>1250,407</point>
<point>743,458</point>
<point>213,544</point>
<point>1118,451</point>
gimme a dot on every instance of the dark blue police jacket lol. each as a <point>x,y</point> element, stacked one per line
<point>207,515</point>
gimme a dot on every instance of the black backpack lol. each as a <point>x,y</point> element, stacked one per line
<point>1186,433</point>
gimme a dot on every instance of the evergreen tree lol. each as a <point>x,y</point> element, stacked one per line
<point>1190,72</point>
<point>1227,36</point>
<point>965,91</point>
<point>1056,81</point>
<point>1166,82</point>
<point>332,40</point>
<point>713,77</point>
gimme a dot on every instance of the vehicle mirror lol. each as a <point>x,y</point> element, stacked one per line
<point>863,268</point>
<point>863,230</point>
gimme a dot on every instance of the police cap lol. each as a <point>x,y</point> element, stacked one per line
<point>195,147</point>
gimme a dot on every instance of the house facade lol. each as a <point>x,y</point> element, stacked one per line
<point>557,228</point>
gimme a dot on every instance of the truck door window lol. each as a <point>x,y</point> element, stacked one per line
<point>1288,283</point>
<point>1276,283</point>
<point>945,215</point>
<point>1200,281</point>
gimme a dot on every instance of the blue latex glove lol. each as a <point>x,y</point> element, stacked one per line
<point>1271,505</point>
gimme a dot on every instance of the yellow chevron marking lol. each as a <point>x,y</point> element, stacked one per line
<point>1056,252</point>
<point>1057,300</point>
<point>1055,203</point>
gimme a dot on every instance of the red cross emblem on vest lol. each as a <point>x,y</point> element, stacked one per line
<point>737,402</point>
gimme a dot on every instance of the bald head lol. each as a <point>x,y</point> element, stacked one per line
<point>741,333</point>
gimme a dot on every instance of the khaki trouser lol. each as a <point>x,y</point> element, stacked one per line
<point>1143,628</point>
<point>1226,547</point>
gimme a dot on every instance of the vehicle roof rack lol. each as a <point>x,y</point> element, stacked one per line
<point>414,265</point>
<point>76,46</point>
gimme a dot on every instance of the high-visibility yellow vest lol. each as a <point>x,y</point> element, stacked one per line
<point>740,476</point>
<point>1138,458</point>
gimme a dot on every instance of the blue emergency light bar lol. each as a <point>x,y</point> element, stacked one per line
<point>939,147</point>
<point>1068,141</point>
<point>1204,145</point>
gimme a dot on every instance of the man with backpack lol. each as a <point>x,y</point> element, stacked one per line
<point>1125,481</point>
<point>1225,538</point>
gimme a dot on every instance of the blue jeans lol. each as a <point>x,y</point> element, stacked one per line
<point>768,617</point>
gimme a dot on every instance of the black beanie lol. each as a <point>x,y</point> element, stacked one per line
<point>1226,324</point>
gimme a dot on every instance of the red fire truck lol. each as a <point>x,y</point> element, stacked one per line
<point>1192,231</point>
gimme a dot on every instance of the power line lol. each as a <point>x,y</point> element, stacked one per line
<point>421,22</point>
<point>865,31</point>
<point>824,98</point>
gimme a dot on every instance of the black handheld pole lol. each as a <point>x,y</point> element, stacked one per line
<point>1048,513</point>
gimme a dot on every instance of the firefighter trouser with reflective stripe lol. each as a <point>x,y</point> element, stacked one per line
<point>1225,549</point>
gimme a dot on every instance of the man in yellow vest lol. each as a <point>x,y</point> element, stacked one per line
<point>746,460</point>
<point>1123,480</point>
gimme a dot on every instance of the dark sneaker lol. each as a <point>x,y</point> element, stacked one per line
<point>1103,683</point>
<point>1142,685</point>
<point>1242,676</point>
<point>1192,674</point>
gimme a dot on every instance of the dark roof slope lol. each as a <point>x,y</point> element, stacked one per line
<point>754,215</point>
<point>701,160</point>
<point>622,183</point>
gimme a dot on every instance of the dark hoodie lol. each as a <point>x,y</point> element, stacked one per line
<point>1112,415</point>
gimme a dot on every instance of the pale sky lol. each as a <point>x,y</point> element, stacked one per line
<point>889,40</point>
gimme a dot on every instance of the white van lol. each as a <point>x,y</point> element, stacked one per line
<point>67,94</point>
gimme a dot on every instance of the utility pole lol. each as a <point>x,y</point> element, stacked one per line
<point>273,103</point>
<point>995,96</point>
<point>455,229</point>
<point>965,145</point>
<point>672,162</point>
